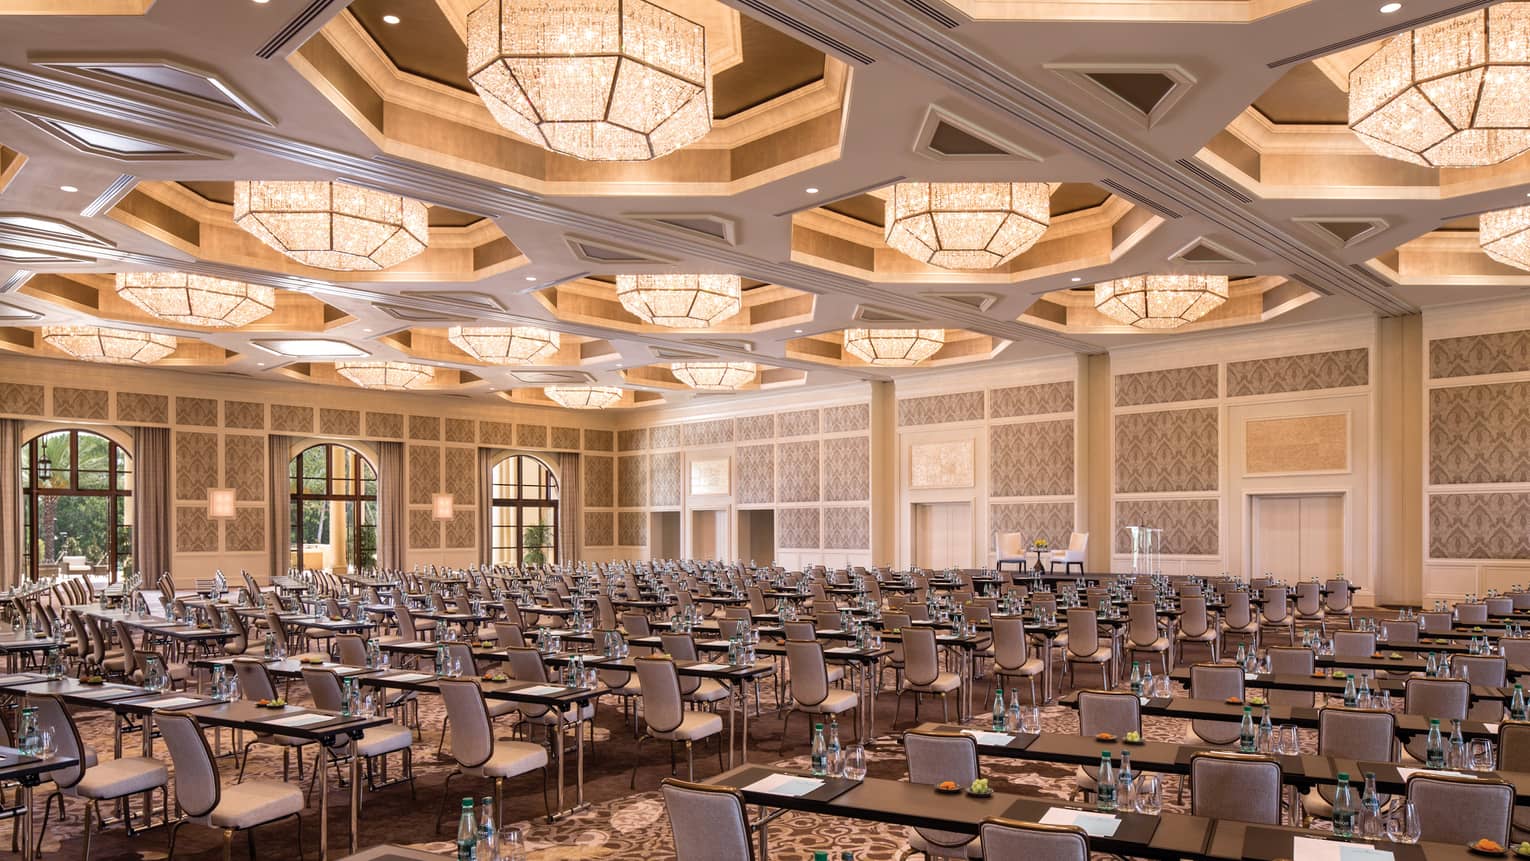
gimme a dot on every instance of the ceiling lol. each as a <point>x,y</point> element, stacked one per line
<point>1177,136</point>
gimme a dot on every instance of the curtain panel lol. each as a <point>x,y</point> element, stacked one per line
<point>11,536</point>
<point>485,503</point>
<point>151,503</point>
<point>392,528</point>
<point>279,456</point>
<point>570,507</point>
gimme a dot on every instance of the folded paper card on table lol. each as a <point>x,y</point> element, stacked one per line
<point>708,668</point>
<point>785,784</point>
<point>1094,824</point>
<point>1311,849</point>
<point>715,644</point>
<point>107,692</point>
<point>305,719</point>
<point>1405,773</point>
<point>415,644</point>
<point>171,702</point>
<point>350,671</point>
<point>409,677</point>
<point>996,739</point>
<point>841,650</point>
<point>539,690</point>
<point>17,679</point>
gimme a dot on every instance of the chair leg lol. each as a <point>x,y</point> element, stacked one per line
<point>48,811</point>
<point>441,809</point>
<point>690,762</point>
<point>88,809</point>
<point>228,844</point>
<point>174,827</point>
<point>636,761</point>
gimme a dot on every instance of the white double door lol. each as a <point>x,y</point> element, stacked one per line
<point>1298,537</point>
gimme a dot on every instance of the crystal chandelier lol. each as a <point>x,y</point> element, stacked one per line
<point>105,344</point>
<point>196,300</point>
<point>1160,301</point>
<point>714,376</point>
<point>1450,94</point>
<point>387,375</point>
<point>584,397</point>
<point>680,301</point>
<point>604,80</point>
<point>894,347</point>
<point>1505,236</point>
<point>966,225</point>
<point>504,345</point>
<point>332,225</point>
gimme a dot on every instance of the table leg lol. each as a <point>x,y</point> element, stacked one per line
<point>355,797</point>
<point>579,759</point>
<point>562,740</point>
<point>732,717</point>
<point>323,783</point>
<point>1046,668</point>
<point>28,848</point>
<point>743,738</point>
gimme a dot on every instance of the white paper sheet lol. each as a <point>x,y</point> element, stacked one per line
<point>18,679</point>
<point>539,690</point>
<point>997,739</point>
<point>105,693</point>
<point>410,677</point>
<point>1406,772</point>
<point>1491,727</point>
<point>412,644</point>
<point>785,784</point>
<point>1095,824</point>
<point>708,667</point>
<point>841,650</point>
<point>1250,677</point>
<point>350,671</point>
<point>714,644</point>
<point>1313,849</point>
<point>304,719</point>
<point>171,702</point>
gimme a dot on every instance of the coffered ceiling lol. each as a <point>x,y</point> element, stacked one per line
<point>1189,136</point>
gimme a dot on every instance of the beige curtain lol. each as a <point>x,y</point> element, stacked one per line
<point>151,502</point>
<point>486,505</point>
<point>570,507</point>
<point>392,514</point>
<point>279,497</point>
<point>10,502</point>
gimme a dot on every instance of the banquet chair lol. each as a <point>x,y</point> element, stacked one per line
<point>922,673</point>
<point>1471,613</point>
<point>1445,699</point>
<point>1012,658</point>
<point>1143,635</point>
<point>525,665</point>
<point>934,757</point>
<point>1364,735</point>
<point>1275,615</point>
<point>1291,661</point>
<point>707,822</point>
<point>1514,756</point>
<point>1309,611</point>
<point>477,752</point>
<point>808,683</point>
<point>1399,631</point>
<point>1244,787</point>
<point>375,742</point>
<point>1338,601</point>
<point>1115,712</point>
<point>1011,840</point>
<point>1487,670</point>
<point>1354,644</point>
<point>1515,649</point>
<point>257,683</point>
<point>1085,646</point>
<point>1214,682</point>
<point>1461,810</point>
<point>682,647</point>
<point>1238,621</point>
<point>1499,606</point>
<point>667,719</point>
<point>1194,628</point>
<point>1436,623</point>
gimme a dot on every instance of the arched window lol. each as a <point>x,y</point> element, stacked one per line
<point>334,509</point>
<point>76,488</point>
<point>525,505</point>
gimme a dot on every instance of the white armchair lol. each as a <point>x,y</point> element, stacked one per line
<point>1078,544</point>
<point>1009,547</point>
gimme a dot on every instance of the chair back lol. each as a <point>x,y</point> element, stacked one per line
<point>1142,622</point>
<point>1238,786</point>
<point>1514,746</point>
<point>808,674</point>
<point>1515,649</point>
<point>1009,545</point>
<point>1078,542</point>
<point>1193,621</point>
<point>707,822</point>
<point>405,619</point>
<point>351,650</point>
<point>1216,682</point>
<point>1435,623</point>
<point>1353,644</point>
<point>937,756</point>
<point>1309,598</point>
<point>1010,649</point>
<point>1274,611</point>
<point>324,687</point>
<point>1291,661</point>
<point>66,735</point>
<point>1399,631</point>
<point>1115,712</point>
<point>1490,670</point>
<point>1521,600</point>
<point>254,679</point>
<point>129,648</point>
<point>921,660</point>
<point>1011,838</point>
<point>1238,612</point>
<point>1083,631</point>
<point>472,731</point>
<point>1446,699</point>
<point>1337,599</point>
<point>799,630</point>
<point>278,630</point>
<point>1499,606</point>
<point>526,664</point>
<point>636,625</point>
<point>198,789</point>
<point>1471,614</point>
<point>663,707</point>
<point>1461,809</point>
<point>682,647</point>
<point>508,634</point>
<point>1368,735</point>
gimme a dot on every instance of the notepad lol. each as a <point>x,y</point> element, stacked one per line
<point>996,739</point>
<point>350,671</point>
<point>17,679</point>
<point>105,693</point>
<point>708,667</point>
<point>1434,772</point>
<point>539,690</point>
<point>171,702</point>
<point>413,644</point>
<point>409,677</point>
<point>1313,849</point>
<point>841,650</point>
<point>715,644</point>
<point>1250,677</point>
<point>304,719</point>
<point>785,784</point>
<point>1094,824</point>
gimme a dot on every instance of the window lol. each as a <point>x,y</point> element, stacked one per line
<point>77,518</point>
<point>525,505</point>
<point>334,509</point>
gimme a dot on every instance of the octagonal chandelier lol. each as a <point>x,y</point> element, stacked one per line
<point>1450,94</point>
<point>603,80</point>
<point>394,376</point>
<point>894,347</point>
<point>1160,301</point>
<point>680,301</point>
<point>332,225</point>
<point>504,345</point>
<point>109,345</point>
<point>714,376</point>
<point>966,225</point>
<point>584,397</point>
<point>196,300</point>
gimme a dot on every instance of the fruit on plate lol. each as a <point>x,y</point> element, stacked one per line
<point>1134,737</point>
<point>496,677</point>
<point>1234,701</point>
<point>1256,700</point>
<point>1340,674</point>
<point>1397,656</point>
<point>980,787</point>
<point>92,680</point>
<point>1523,848</point>
<point>1478,629</point>
<point>310,659</point>
<point>1104,736</point>
<point>277,703</point>
<point>947,786</point>
<point>334,618</point>
<point>1376,654</point>
<point>1485,845</point>
<point>1318,674</point>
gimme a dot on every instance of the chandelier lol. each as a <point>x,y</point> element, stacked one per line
<point>332,225</point>
<point>1505,236</point>
<point>1450,94</point>
<point>196,300</point>
<point>966,225</point>
<point>714,376</point>
<point>603,80</point>
<point>680,301</point>
<point>1160,301</point>
<point>504,345</point>
<point>894,347</point>
<point>387,375</point>
<point>584,397</point>
<point>105,344</point>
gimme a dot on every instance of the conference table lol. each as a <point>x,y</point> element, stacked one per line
<point>1330,686</point>
<point>28,772</point>
<point>1306,717</point>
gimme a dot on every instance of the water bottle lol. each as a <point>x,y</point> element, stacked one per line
<point>488,835</point>
<point>1431,666</point>
<point>1457,745</point>
<point>1014,710</point>
<point>1248,736</point>
<point>1136,678</point>
<point>1517,704</point>
<point>1147,680</point>
<point>1105,784</point>
<point>1242,655</point>
<point>1266,732</point>
<point>1434,746</point>
<point>1125,779</point>
<point>1351,696</point>
<point>439,661</point>
<point>1371,825</point>
<point>467,833</point>
<point>820,752</point>
<point>998,709</point>
<point>1344,808</point>
<point>836,762</point>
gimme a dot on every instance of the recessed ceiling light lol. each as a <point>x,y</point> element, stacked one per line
<point>68,189</point>
<point>310,348</point>
<point>262,2</point>
<point>262,364</point>
<point>1076,280</point>
<point>811,190</point>
<point>1389,8</point>
<point>366,330</point>
<point>531,277</point>
<point>390,19</point>
<point>797,331</point>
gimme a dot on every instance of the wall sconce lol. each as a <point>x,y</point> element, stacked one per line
<point>442,506</point>
<point>220,503</point>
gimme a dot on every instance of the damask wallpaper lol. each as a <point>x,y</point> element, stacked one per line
<point>847,528</point>
<point>1167,386</point>
<point>756,474</point>
<point>563,438</point>
<point>797,528</point>
<point>632,528</point>
<point>1473,355</point>
<point>460,430</point>
<point>196,464</point>
<point>1335,370</point>
<point>1479,434</point>
<point>756,427</point>
<point>935,409</point>
<point>385,425</point>
<point>797,471</point>
<point>246,532</point>
<point>632,439</point>
<point>1173,450</point>
<point>599,529</point>
<point>194,531</point>
<point>846,418</point>
<point>424,473</point>
<point>292,418</point>
<point>665,478</point>
<point>137,407</point>
<point>717,432</point>
<point>1034,400</point>
<point>246,415</point>
<point>460,476</point>
<point>425,427</point>
<point>846,469</point>
<point>23,398</point>
<point>1031,459</point>
<point>1190,526</point>
<point>599,440</point>
<point>244,466</point>
<point>798,423</point>
<point>664,436</point>
<point>531,436</point>
<point>632,480</point>
<point>339,422</point>
<point>496,433</point>
<point>1050,520</point>
<point>424,530</point>
<point>81,403</point>
<point>1479,526</point>
<point>599,480</point>
<point>202,412</point>
<point>462,529</point>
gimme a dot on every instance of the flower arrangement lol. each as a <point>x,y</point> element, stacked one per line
<point>1040,544</point>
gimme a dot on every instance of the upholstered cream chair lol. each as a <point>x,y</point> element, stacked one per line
<point>1460,810</point>
<point>934,757</point>
<point>1009,548</point>
<point>707,822</point>
<point>922,674</point>
<point>1012,656</point>
<point>665,716</point>
<point>1363,735</point>
<point>1078,546</point>
<point>477,752</point>
<point>808,682</point>
<point>1010,838</point>
<point>256,683</point>
<point>378,741</point>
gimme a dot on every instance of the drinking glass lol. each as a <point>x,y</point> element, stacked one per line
<point>1148,797</point>
<point>855,762</point>
<point>1403,825</point>
<point>1479,754</point>
<point>1291,740</point>
<point>48,742</point>
<point>512,845</point>
<point>1030,719</point>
